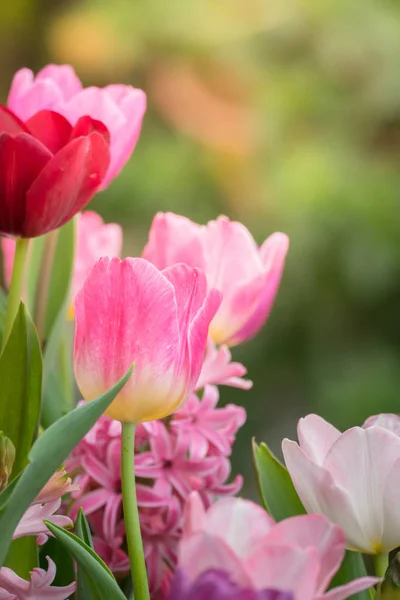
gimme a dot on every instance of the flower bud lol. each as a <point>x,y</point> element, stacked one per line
<point>7,458</point>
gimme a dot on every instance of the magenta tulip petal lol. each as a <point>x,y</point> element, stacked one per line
<point>52,129</point>
<point>316,436</point>
<point>86,125</point>
<point>313,531</point>
<point>67,183</point>
<point>22,158</point>
<point>286,568</point>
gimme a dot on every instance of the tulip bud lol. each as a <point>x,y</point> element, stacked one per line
<point>7,457</point>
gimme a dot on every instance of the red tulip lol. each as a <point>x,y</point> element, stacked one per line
<point>49,170</point>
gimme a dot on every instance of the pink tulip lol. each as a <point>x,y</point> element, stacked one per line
<point>350,477</point>
<point>13,587</point>
<point>94,239</point>
<point>247,276</point>
<point>130,312</point>
<point>298,555</point>
<point>119,107</point>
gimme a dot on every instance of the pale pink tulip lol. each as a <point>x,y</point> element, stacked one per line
<point>13,587</point>
<point>56,87</point>
<point>130,312</point>
<point>247,276</point>
<point>298,555</point>
<point>94,239</point>
<point>350,477</point>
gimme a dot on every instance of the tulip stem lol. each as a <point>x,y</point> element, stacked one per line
<point>131,514</point>
<point>381,563</point>
<point>16,285</point>
<point>43,284</point>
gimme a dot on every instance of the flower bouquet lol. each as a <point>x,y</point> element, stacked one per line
<point>127,493</point>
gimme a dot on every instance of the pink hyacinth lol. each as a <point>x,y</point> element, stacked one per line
<point>130,312</point>
<point>188,452</point>
<point>13,587</point>
<point>247,276</point>
<point>94,239</point>
<point>298,555</point>
<point>119,107</point>
<point>218,369</point>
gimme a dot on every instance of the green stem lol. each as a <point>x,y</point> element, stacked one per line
<point>67,381</point>
<point>381,563</point>
<point>43,283</point>
<point>15,290</point>
<point>131,515</point>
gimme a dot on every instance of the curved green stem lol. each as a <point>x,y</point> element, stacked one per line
<point>131,515</point>
<point>15,290</point>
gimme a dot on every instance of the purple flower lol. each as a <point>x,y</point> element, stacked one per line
<point>215,584</point>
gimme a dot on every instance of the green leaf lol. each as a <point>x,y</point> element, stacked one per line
<point>53,399</point>
<point>61,276</point>
<point>22,556</point>
<point>3,311</point>
<point>65,568</point>
<point>83,587</point>
<point>21,383</point>
<point>351,568</point>
<point>276,489</point>
<point>102,581</point>
<point>47,454</point>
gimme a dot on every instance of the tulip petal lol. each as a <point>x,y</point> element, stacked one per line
<point>319,494</point>
<point>64,77</point>
<point>391,513</point>
<point>86,125</point>
<point>136,308</point>
<point>26,98</point>
<point>285,567</point>
<point>349,589</point>
<point>22,158</point>
<point>10,123</point>
<point>388,421</point>
<point>202,551</point>
<point>316,436</point>
<point>51,128</point>
<point>313,531</point>
<point>360,461</point>
<point>240,523</point>
<point>174,239</point>
<point>67,183</point>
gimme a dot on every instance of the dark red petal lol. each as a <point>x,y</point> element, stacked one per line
<point>51,128</point>
<point>86,125</point>
<point>10,123</point>
<point>21,160</point>
<point>67,183</point>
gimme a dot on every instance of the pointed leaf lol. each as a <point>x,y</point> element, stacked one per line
<point>102,581</point>
<point>83,587</point>
<point>47,454</point>
<point>352,568</point>
<point>276,489</point>
<point>21,383</point>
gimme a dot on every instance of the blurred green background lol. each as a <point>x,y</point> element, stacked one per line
<point>284,114</point>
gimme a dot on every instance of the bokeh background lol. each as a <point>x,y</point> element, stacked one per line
<point>284,115</point>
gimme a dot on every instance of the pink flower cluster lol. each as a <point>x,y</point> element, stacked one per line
<point>189,451</point>
<point>43,508</point>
